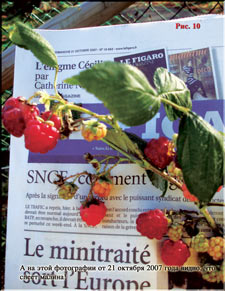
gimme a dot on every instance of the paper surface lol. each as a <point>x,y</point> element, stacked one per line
<point>45,234</point>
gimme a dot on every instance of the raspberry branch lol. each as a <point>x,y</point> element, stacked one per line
<point>208,217</point>
<point>178,107</point>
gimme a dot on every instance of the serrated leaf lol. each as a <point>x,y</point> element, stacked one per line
<point>201,153</point>
<point>174,89</point>
<point>124,90</point>
<point>25,37</point>
<point>158,181</point>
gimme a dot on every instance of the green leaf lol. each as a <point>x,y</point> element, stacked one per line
<point>201,153</point>
<point>173,89</point>
<point>124,90</point>
<point>158,181</point>
<point>118,139</point>
<point>141,143</point>
<point>25,37</point>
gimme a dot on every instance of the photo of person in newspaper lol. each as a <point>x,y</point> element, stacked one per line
<point>195,68</point>
<point>193,84</point>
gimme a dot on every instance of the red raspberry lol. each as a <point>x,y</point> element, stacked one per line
<point>174,253</point>
<point>40,137</point>
<point>93,212</point>
<point>152,224</point>
<point>188,195</point>
<point>48,115</point>
<point>160,152</point>
<point>102,187</point>
<point>16,113</point>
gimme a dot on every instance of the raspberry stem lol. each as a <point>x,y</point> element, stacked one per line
<point>30,98</point>
<point>110,169</point>
<point>55,80</point>
<point>76,176</point>
<point>208,217</point>
<point>178,107</point>
<point>86,111</point>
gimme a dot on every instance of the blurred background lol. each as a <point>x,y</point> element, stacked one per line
<point>40,13</point>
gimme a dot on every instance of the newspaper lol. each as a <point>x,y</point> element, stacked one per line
<point>48,245</point>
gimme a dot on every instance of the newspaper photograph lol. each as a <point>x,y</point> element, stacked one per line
<point>56,243</point>
<point>196,69</point>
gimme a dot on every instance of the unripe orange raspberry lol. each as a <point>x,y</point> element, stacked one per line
<point>216,248</point>
<point>102,187</point>
<point>93,130</point>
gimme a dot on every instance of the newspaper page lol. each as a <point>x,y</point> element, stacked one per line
<point>45,234</point>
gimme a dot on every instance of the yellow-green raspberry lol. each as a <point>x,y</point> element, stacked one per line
<point>67,190</point>
<point>222,272</point>
<point>211,274</point>
<point>174,171</point>
<point>175,231</point>
<point>216,248</point>
<point>200,243</point>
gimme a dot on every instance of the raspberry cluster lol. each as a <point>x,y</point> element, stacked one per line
<point>93,130</point>
<point>102,187</point>
<point>200,243</point>
<point>93,211</point>
<point>216,247</point>
<point>174,253</point>
<point>160,152</point>
<point>152,224</point>
<point>41,133</point>
<point>175,232</point>
<point>16,113</point>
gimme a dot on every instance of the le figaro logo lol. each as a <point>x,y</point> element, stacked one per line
<point>147,58</point>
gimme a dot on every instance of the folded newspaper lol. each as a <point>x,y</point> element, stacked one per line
<point>49,246</point>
